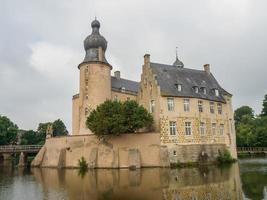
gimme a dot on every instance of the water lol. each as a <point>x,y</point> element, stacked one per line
<point>244,180</point>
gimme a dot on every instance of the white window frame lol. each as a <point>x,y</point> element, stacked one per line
<point>202,128</point>
<point>216,92</point>
<point>170,104</point>
<point>188,128</point>
<point>200,106</point>
<point>212,107</point>
<point>179,87</point>
<point>187,105</point>
<point>172,127</point>
<point>213,128</point>
<point>196,89</point>
<point>204,90</point>
<point>123,89</point>
<point>152,106</point>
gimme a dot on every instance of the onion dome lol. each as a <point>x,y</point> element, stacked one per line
<point>95,45</point>
<point>177,62</point>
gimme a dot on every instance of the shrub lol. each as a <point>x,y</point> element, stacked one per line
<point>83,165</point>
<point>115,118</point>
<point>225,157</point>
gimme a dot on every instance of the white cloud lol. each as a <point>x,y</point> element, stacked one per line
<point>53,60</point>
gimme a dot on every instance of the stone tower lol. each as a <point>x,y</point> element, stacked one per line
<point>95,79</point>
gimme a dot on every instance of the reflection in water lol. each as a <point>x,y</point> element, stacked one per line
<point>254,178</point>
<point>157,184</point>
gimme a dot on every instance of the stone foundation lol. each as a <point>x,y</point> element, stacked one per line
<point>126,151</point>
<point>195,153</point>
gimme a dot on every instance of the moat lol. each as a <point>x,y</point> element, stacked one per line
<point>246,179</point>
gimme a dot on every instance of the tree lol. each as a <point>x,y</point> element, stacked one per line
<point>30,137</point>
<point>245,136</point>
<point>260,129</point>
<point>243,110</point>
<point>135,116</point>
<point>264,104</point>
<point>8,131</point>
<point>59,128</point>
<point>114,118</point>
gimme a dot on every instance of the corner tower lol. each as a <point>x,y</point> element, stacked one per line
<point>95,80</point>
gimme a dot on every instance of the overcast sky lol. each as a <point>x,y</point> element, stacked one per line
<point>41,45</point>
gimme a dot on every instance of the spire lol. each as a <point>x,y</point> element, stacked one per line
<point>177,62</point>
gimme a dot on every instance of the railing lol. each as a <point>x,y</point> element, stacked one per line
<point>19,148</point>
<point>252,149</point>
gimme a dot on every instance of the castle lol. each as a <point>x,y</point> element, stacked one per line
<point>193,115</point>
<point>188,106</point>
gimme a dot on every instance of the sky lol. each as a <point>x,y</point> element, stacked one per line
<point>41,45</point>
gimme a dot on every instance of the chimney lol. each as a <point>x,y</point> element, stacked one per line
<point>146,58</point>
<point>207,68</point>
<point>117,74</point>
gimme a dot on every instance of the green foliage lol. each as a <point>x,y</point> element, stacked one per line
<point>242,111</point>
<point>114,118</point>
<point>225,157</point>
<point>30,137</point>
<point>264,105</point>
<point>39,136</point>
<point>8,131</point>
<point>59,128</point>
<point>251,131</point>
<point>83,166</point>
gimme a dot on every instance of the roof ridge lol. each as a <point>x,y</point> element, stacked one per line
<point>124,79</point>
<point>173,67</point>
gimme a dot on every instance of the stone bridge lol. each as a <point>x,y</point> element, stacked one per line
<point>23,150</point>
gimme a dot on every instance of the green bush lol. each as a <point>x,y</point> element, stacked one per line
<point>225,157</point>
<point>115,118</point>
<point>83,165</point>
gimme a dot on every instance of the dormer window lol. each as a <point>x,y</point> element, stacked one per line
<point>203,90</point>
<point>195,88</point>
<point>179,87</point>
<point>123,89</point>
<point>216,92</point>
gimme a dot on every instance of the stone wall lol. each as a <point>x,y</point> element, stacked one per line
<point>125,151</point>
<point>128,150</point>
<point>195,153</point>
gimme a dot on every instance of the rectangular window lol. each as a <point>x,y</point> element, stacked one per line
<point>216,92</point>
<point>213,128</point>
<point>170,104</point>
<point>186,105</point>
<point>221,129</point>
<point>202,128</point>
<point>211,107</point>
<point>219,106</point>
<point>188,129</point>
<point>152,106</point>
<point>200,106</point>
<point>179,87</point>
<point>172,128</point>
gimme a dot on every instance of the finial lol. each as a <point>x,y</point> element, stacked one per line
<point>95,17</point>
<point>176,52</point>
